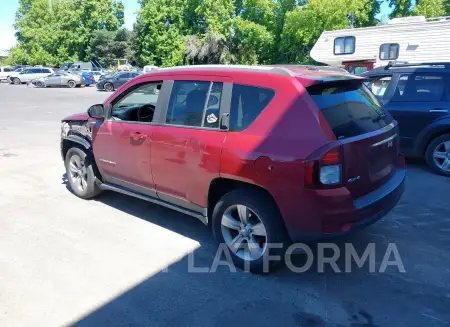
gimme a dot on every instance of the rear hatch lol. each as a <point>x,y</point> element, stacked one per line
<point>368,134</point>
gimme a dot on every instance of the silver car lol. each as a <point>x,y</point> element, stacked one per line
<point>60,78</point>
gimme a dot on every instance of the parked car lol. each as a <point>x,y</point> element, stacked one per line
<point>88,78</point>
<point>418,97</point>
<point>96,75</point>
<point>262,155</point>
<point>4,73</point>
<point>115,80</point>
<point>29,74</point>
<point>59,78</point>
<point>14,72</point>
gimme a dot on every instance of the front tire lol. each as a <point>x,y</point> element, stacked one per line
<point>80,174</point>
<point>108,87</point>
<point>438,155</point>
<point>71,84</point>
<point>16,81</point>
<point>250,224</point>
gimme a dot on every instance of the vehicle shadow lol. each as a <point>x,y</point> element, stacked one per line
<point>181,296</point>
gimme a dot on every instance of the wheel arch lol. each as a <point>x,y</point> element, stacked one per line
<point>436,130</point>
<point>77,141</point>
<point>220,186</point>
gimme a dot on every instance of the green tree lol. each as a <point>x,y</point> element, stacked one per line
<point>105,46</point>
<point>51,33</point>
<point>429,8</point>
<point>159,33</point>
<point>400,8</point>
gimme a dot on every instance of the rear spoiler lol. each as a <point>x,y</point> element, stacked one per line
<point>308,81</point>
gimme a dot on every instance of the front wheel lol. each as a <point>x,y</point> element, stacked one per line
<point>250,225</point>
<point>16,81</point>
<point>80,174</point>
<point>109,87</point>
<point>71,84</point>
<point>438,155</point>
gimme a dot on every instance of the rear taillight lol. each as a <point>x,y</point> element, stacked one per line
<point>325,172</point>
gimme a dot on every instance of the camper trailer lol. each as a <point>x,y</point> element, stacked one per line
<point>410,39</point>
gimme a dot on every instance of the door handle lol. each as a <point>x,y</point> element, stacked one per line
<point>138,136</point>
<point>438,110</point>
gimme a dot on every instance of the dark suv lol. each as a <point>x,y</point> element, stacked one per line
<point>262,155</point>
<point>418,97</point>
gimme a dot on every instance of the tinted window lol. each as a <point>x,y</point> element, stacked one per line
<point>124,75</point>
<point>195,103</point>
<point>389,51</point>
<point>46,71</point>
<point>349,108</point>
<point>247,102</point>
<point>344,45</point>
<point>419,87</point>
<point>6,69</point>
<point>27,71</point>
<point>36,71</point>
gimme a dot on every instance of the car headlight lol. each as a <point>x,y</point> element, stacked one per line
<point>65,128</point>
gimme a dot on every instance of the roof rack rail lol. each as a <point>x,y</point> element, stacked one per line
<point>406,64</point>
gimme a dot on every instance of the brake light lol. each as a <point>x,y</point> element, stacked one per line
<point>325,172</point>
<point>332,157</point>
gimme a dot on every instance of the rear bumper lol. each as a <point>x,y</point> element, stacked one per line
<point>339,214</point>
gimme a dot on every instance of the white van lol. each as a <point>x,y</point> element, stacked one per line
<point>148,69</point>
<point>4,73</point>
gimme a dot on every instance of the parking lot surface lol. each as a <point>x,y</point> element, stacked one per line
<point>119,261</point>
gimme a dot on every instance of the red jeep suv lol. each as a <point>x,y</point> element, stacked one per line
<point>261,154</point>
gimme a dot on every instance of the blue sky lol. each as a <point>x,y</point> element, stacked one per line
<point>9,7</point>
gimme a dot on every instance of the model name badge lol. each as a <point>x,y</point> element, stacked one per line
<point>354,179</point>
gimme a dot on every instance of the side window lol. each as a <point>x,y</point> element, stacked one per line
<point>419,87</point>
<point>195,103</point>
<point>137,105</point>
<point>344,45</point>
<point>389,51</point>
<point>46,71</point>
<point>124,75</point>
<point>247,102</point>
<point>379,86</point>
<point>7,70</point>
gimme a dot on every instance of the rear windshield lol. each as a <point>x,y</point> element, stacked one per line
<point>349,108</point>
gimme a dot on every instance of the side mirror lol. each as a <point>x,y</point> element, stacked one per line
<point>96,111</point>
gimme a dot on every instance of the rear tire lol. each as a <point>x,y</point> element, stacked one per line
<point>80,174</point>
<point>16,81</point>
<point>71,84</point>
<point>437,155</point>
<point>250,218</point>
<point>108,87</point>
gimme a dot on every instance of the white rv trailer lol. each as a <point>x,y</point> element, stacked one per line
<point>411,39</point>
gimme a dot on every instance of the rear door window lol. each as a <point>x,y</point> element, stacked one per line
<point>195,103</point>
<point>349,108</point>
<point>247,103</point>
<point>419,88</point>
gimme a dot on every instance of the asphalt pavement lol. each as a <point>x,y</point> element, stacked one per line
<point>119,261</point>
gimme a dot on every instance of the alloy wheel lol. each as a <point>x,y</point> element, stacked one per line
<point>109,87</point>
<point>71,84</point>
<point>244,232</point>
<point>78,173</point>
<point>16,81</point>
<point>441,156</point>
